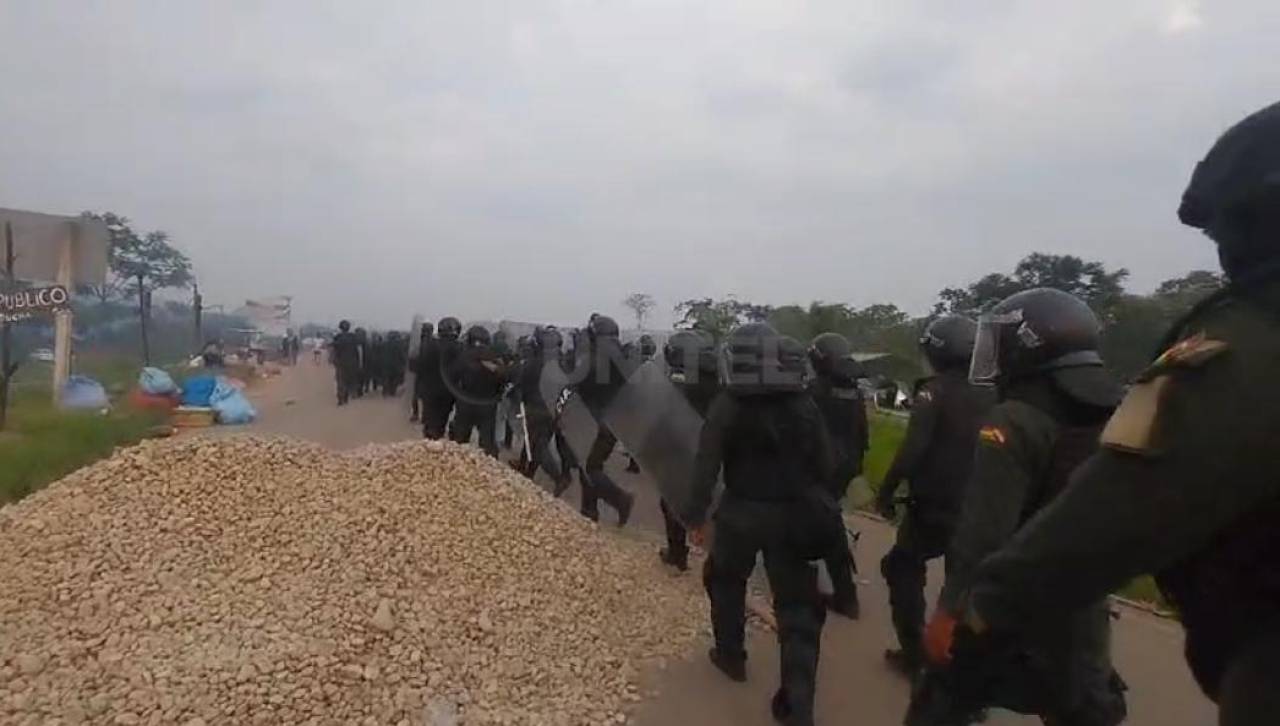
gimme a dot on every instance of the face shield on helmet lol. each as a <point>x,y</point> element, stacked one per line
<point>984,366</point>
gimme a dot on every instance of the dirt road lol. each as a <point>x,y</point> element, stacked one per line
<point>854,685</point>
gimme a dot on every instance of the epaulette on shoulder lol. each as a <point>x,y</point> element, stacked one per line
<point>1191,352</point>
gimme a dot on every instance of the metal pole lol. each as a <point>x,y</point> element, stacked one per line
<point>6,342</point>
<point>197,305</point>
<point>62,320</point>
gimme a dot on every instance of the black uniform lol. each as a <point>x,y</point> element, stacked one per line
<point>393,364</point>
<point>1186,483</point>
<point>935,458</point>
<point>539,422</point>
<point>1028,448</point>
<point>606,372</point>
<point>435,361</point>
<point>775,457</point>
<point>845,417</point>
<point>346,364</point>
<point>700,390</point>
<point>480,378</point>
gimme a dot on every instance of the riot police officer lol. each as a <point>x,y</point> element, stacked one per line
<point>767,437</point>
<point>346,361</point>
<point>693,368</point>
<point>362,378</point>
<point>1185,485</point>
<point>419,380</point>
<point>436,361</point>
<point>834,388</point>
<point>476,379</point>
<point>935,459</point>
<point>1039,348</point>
<point>544,348</point>
<point>601,369</point>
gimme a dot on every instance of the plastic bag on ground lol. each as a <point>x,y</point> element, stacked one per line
<point>230,405</point>
<point>196,391</point>
<point>156,382</point>
<point>81,393</point>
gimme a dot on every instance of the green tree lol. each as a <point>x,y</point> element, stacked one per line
<point>140,265</point>
<point>1090,281</point>
<point>718,317</point>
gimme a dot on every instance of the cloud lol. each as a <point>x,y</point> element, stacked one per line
<point>1183,17</point>
<point>545,158</point>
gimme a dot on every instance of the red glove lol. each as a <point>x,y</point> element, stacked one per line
<point>938,636</point>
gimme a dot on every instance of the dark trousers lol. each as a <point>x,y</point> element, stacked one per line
<point>596,484</point>
<point>541,431</point>
<point>436,407</point>
<point>677,536</point>
<point>472,417</point>
<point>920,539</point>
<point>1248,695</point>
<point>841,568</point>
<point>744,530</point>
<point>347,378</point>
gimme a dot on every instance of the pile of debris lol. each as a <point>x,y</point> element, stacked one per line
<point>249,580</point>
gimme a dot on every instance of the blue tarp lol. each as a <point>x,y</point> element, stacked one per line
<point>155,382</point>
<point>196,391</point>
<point>230,404</point>
<point>81,393</point>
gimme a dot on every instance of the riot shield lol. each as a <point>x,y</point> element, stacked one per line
<point>574,420</point>
<point>415,337</point>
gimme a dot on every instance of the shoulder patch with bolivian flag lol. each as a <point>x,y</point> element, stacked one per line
<point>1190,352</point>
<point>1134,427</point>
<point>993,435</point>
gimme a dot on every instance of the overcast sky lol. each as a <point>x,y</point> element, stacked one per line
<point>539,159</point>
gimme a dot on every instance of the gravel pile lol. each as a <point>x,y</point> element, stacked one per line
<point>257,581</point>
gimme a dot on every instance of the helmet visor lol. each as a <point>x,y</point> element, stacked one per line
<point>984,366</point>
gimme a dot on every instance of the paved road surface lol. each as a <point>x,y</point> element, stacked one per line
<point>854,687</point>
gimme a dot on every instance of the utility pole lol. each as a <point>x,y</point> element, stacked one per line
<point>7,367</point>
<point>197,305</point>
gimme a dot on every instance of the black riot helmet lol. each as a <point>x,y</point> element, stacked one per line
<point>1043,332</point>
<point>427,331</point>
<point>602,326</point>
<point>689,350</point>
<point>449,328</point>
<point>947,342</point>
<point>345,326</point>
<point>524,346</point>
<point>648,348</point>
<point>832,357</point>
<point>548,339</point>
<point>478,335</point>
<point>755,359</point>
<point>1234,193</point>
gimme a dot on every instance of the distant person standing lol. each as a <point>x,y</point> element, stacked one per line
<point>346,361</point>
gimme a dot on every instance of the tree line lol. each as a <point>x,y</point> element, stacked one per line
<point>1133,323</point>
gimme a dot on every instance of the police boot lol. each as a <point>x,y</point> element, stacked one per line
<point>906,661</point>
<point>627,503</point>
<point>784,713</point>
<point>678,560</point>
<point>733,668</point>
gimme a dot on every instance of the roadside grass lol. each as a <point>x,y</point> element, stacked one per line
<point>887,433</point>
<point>41,444</point>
